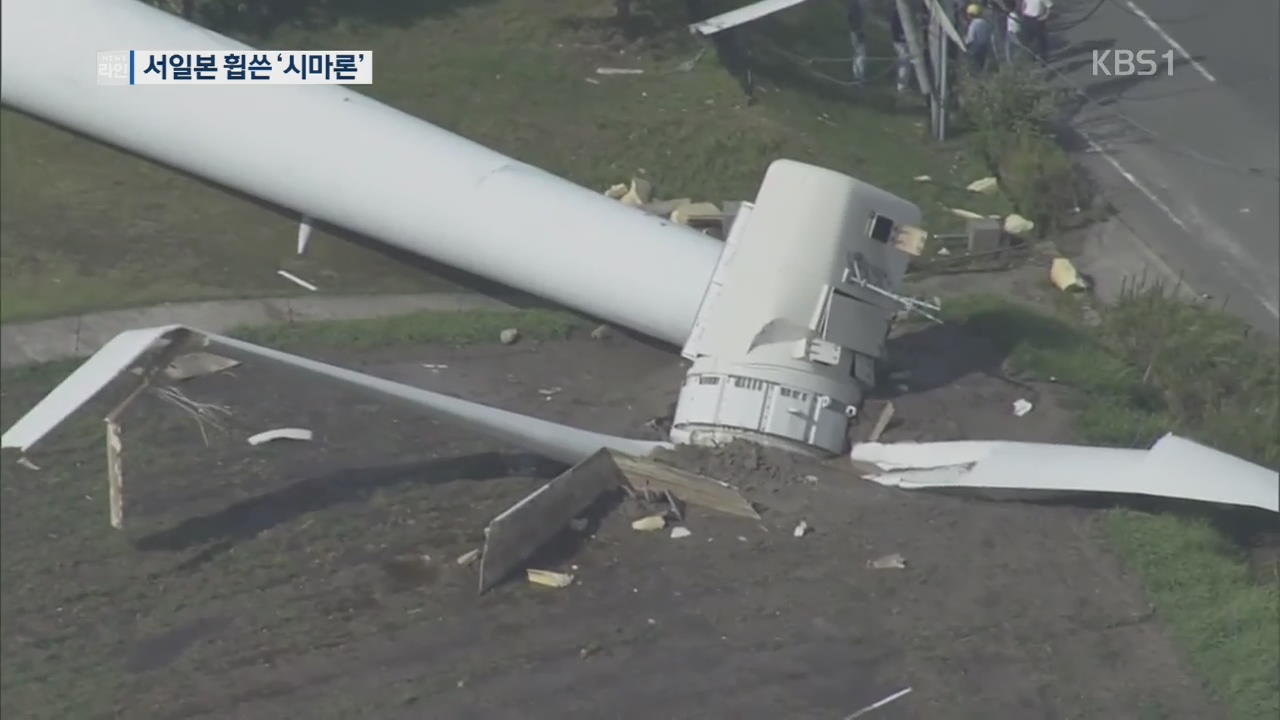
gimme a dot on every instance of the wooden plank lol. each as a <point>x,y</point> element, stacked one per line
<point>519,531</point>
<point>115,474</point>
<point>886,415</point>
<point>644,474</point>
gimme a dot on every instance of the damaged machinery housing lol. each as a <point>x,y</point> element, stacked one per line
<point>789,333</point>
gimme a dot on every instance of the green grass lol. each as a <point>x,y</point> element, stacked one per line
<point>87,227</point>
<point>453,328</point>
<point>1142,374</point>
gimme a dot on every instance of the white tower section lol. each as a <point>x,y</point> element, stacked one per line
<point>783,341</point>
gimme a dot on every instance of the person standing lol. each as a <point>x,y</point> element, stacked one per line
<point>901,50</point>
<point>858,40</point>
<point>1033,18</point>
<point>978,37</point>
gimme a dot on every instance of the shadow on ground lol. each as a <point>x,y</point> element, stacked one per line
<point>246,519</point>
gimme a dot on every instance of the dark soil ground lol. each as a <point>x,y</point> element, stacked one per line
<point>291,580</point>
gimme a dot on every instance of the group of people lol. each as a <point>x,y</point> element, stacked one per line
<point>1023,23</point>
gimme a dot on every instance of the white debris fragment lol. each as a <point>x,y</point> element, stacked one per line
<point>680,532</point>
<point>280,434</point>
<point>550,390</point>
<point>801,529</point>
<point>196,364</point>
<point>549,578</point>
<point>943,251</point>
<point>922,178</point>
<point>601,332</point>
<point>966,214</point>
<point>986,185</point>
<point>878,704</point>
<point>26,463</point>
<point>1021,407</point>
<point>892,561</point>
<point>468,557</point>
<point>435,368</point>
<point>296,280</point>
<point>618,71</point>
<point>508,336</point>
<point>650,523</point>
<point>811,479</point>
<point>616,192</point>
<point>1015,224</point>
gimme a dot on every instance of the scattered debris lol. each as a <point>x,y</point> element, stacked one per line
<point>578,524</point>
<point>468,557</point>
<point>922,178</point>
<point>943,251</point>
<point>435,368</point>
<point>680,532</point>
<point>618,71</point>
<point>986,185</point>
<point>1063,275</point>
<point>615,192</point>
<point>676,511</point>
<point>1021,407</point>
<point>520,530</point>
<point>280,434</point>
<point>304,234</point>
<point>509,336</point>
<point>593,81</point>
<point>201,412</point>
<point>296,280</point>
<point>801,530</point>
<point>550,391</point>
<point>185,367</point>
<point>25,462</point>
<point>984,235</point>
<point>601,332</point>
<point>115,472</point>
<point>811,479</point>
<point>910,240</point>
<point>696,213</point>
<point>892,561</point>
<point>882,423</point>
<point>549,578</point>
<point>640,192</point>
<point>644,474</point>
<point>650,523</point>
<point>1015,224</point>
<point>878,704</point>
<point>967,214</point>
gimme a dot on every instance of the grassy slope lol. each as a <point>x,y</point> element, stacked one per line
<point>1199,581</point>
<point>86,227</point>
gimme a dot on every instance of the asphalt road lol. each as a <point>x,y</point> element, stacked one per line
<point>1190,156</point>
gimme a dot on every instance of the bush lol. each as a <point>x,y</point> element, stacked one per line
<point>1011,116</point>
<point>1219,383</point>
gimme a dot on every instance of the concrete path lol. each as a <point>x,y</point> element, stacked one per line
<point>79,336</point>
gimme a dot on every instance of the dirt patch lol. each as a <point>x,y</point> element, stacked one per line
<point>318,579</point>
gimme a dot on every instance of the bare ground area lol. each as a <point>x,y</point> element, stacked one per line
<point>287,580</point>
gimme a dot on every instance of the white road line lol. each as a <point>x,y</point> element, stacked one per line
<point>1135,182</point>
<point>1173,43</point>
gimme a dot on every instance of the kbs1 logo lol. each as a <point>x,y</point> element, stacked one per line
<point>1130,63</point>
